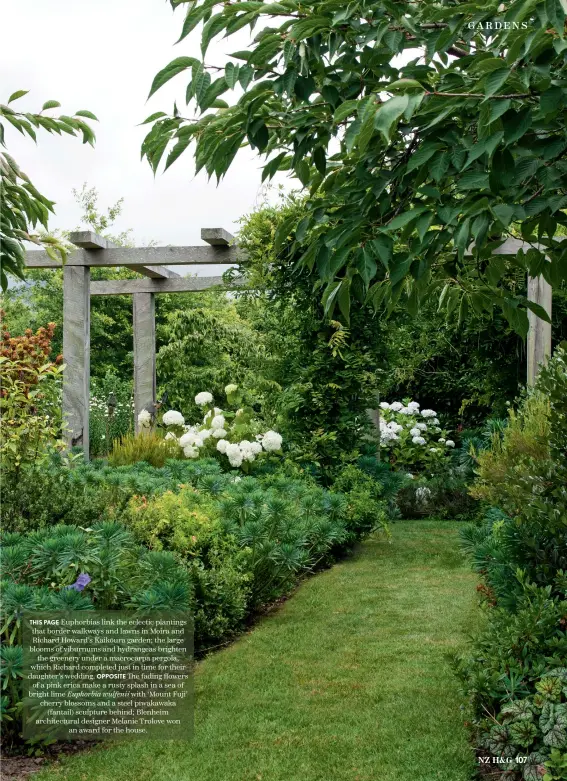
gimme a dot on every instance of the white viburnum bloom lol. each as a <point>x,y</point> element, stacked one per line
<point>272,441</point>
<point>384,405</point>
<point>230,388</point>
<point>441,440</point>
<point>222,444</point>
<point>219,433</point>
<point>217,422</point>
<point>421,426</point>
<point>203,398</point>
<point>418,441</point>
<point>173,418</point>
<point>449,443</point>
<point>190,452</point>
<point>396,406</point>
<point>428,413</point>
<point>170,435</point>
<point>144,419</point>
<point>415,432</point>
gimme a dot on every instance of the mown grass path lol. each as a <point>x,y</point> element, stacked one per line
<point>348,681</point>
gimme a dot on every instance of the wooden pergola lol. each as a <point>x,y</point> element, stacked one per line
<point>93,250</point>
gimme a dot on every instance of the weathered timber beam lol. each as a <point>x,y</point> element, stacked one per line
<point>217,237</point>
<point>144,329</point>
<point>122,287</point>
<point>93,241</point>
<point>76,355</point>
<point>134,257</point>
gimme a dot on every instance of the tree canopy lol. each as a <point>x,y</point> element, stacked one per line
<point>22,206</point>
<point>422,131</point>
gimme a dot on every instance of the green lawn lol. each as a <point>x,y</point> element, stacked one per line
<point>348,681</point>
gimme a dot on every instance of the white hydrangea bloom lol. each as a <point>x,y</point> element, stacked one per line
<point>219,433</point>
<point>203,398</point>
<point>205,433</point>
<point>234,455</point>
<point>449,443</point>
<point>414,406</point>
<point>396,406</point>
<point>433,449</point>
<point>428,413</point>
<point>217,422</point>
<point>144,419</point>
<point>395,427</point>
<point>418,441</point>
<point>189,438</point>
<point>435,421</point>
<point>441,440</point>
<point>230,388</point>
<point>410,476</point>
<point>422,493</point>
<point>256,448</point>
<point>170,435</point>
<point>384,405</point>
<point>421,426</point>
<point>415,432</point>
<point>190,452</point>
<point>406,411</point>
<point>217,411</point>
<point>272,441</point>
<point>173,418</point>
<point>222,444</point>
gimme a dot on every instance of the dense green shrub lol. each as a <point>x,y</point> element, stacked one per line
<point>515,676</point>
<point>72,568</point>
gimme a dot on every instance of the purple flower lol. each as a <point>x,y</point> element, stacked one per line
<point>82,580</point>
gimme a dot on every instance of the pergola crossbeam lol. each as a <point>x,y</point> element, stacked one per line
<point>121,287</point>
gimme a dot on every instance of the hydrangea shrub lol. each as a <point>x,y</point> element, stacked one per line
<point>237,435</point>
<point>412,437</point>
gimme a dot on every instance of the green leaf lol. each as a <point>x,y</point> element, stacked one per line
<point>366,266</point>
<point>405,85</point>
<point>194,16</point>
<point>50,104</point>
<point>405,218</point>
<point>495,80</point>
<point>383,247</point>
<point>152,117</point>
<point>473,180</point>
<point>345,109</point>
<point>388,114</point>
<point>399,271</point>
<point>231,74</point>
<point>172,69</point>
<point>422,155</point>
<point>177,150</point>
<point>18,94</point>
<point>85,113</point>
<point>213,27</point>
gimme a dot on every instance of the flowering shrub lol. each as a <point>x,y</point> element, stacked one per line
<point>412,438</point>
<point>237,435</point>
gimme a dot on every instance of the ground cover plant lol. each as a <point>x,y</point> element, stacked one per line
<point>66,567</point>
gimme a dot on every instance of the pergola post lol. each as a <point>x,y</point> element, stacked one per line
<point>144,320</point>
<point>76,352</point>
<point>539,334</point>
